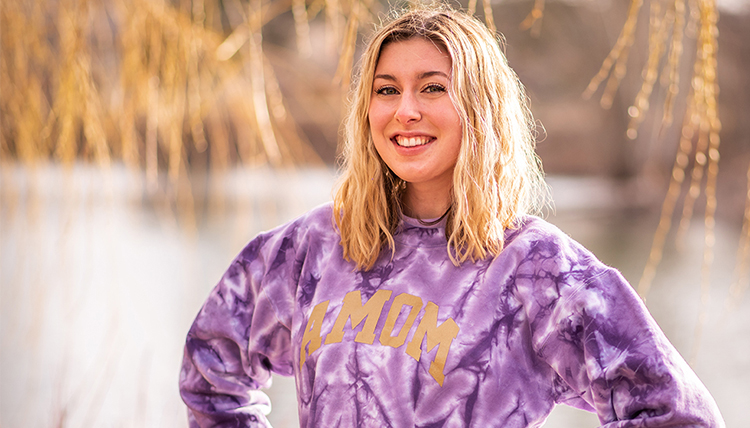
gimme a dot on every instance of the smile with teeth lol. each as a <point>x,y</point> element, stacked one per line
<point>412,141</point>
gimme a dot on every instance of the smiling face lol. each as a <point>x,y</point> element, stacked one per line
<point>414,124</point>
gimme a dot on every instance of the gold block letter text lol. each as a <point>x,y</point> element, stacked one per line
<point>442,335</point>
<point>399,302</point>
<point>312,331</point>
<point>353,307</point>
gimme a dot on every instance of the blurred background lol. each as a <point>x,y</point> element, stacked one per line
<point>144,142</point>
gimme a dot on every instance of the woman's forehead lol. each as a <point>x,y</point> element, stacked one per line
<point>415,52</point>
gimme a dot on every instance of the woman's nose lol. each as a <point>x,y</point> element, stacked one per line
<point>408,109</point>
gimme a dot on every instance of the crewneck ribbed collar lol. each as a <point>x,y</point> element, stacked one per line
<point>421,232</point>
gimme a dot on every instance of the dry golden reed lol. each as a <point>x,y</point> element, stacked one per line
<point>699,136</point>
<point>160,86</point>
<point>533,20</point>
<point>700,130</point>
<point>140,81</point>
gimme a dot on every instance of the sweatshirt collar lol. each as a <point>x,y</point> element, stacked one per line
<point>421,232</point>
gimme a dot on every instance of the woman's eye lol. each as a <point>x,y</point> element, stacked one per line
<point>387,90</point>
<point>434,88</point>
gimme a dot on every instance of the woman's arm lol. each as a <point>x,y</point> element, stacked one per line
<point>236,341</point>
<point>590,326</point>
<point>604,344</point>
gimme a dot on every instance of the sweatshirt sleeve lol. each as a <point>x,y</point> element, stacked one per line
<point>239,337</point>
<point>598,336</point>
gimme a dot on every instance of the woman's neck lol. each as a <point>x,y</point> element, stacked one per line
<point>425,204</point>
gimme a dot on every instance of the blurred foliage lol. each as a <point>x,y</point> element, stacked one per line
<point>149,82</point>
<point>158,83</point>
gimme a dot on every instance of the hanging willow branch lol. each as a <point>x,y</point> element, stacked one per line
<point>700,129</point>
<point>533,20</point>
<point>148,96</point>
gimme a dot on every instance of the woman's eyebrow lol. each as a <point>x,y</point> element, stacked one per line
<point>420,76</point>
<point>431,73</point>
<point>385,77</point>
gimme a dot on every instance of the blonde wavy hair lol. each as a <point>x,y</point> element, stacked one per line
<point>497,177</point>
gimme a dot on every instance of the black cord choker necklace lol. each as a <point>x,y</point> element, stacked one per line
<point>436,221</point>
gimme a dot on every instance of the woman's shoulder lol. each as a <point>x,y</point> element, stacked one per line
<point>318,216</point>
<point>533,228</point>
<point>534,235</point>
<point>314,224</point>
<point>549,265</point>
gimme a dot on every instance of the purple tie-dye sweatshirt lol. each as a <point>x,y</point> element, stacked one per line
<point>419,342</point>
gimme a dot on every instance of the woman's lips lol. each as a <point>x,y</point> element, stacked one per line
<point>412,141</point>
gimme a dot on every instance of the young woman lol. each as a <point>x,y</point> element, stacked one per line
<point>426,295</point>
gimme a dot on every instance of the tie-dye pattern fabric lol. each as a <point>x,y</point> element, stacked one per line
<point>418,342</point>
